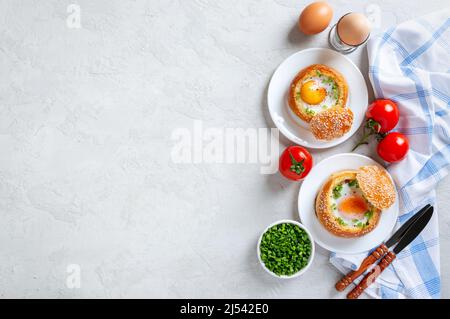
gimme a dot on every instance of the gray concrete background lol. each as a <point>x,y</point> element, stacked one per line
<point>86,176</point>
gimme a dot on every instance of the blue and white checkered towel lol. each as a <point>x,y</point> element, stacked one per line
<point>410,64</point>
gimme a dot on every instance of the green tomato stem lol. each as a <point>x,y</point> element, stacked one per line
<point>373,128</point>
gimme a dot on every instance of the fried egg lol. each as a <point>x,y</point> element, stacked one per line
<point>349,206</point>
<point>318,93</point>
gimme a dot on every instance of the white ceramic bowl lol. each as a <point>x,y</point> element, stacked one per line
<point>311,256</point>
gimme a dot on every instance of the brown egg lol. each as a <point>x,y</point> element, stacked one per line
<point>315,18</point>
<point>353,28</point>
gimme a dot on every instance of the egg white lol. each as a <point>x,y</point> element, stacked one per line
<point>346,192</point>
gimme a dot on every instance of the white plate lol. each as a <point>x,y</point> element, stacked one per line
<point>277,94</point>
<point>306,202</point>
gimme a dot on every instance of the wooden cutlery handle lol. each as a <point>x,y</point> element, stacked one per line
<point>369,260</point>
<point>372,275</point>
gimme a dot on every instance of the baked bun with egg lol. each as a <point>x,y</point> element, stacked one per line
<point>316,89</point>
<point>350,202</point>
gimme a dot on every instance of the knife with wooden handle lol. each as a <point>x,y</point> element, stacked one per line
<point>413,231</point>
<point>372,275</point>
<point>378,253</point>
<point>366,263</point>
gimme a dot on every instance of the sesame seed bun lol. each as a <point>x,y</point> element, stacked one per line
<point>298,106</point>
<point>376,185</point>
<point>331,123</point>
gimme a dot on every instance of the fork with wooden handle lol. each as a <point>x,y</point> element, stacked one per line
<point>372,275</point>
<point>381,250</point>
<point>401,239</point>
<point>366,263</point>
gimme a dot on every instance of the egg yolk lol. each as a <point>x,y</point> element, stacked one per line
<point>353,206</point>
<point>311,93</point>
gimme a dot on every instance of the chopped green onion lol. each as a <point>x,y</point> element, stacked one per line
<point>341,221</point>
<point>368,214</point>
<point>285,249</point>
<point>337,191</point>
<point>353,183</point>
<point>309,111</point>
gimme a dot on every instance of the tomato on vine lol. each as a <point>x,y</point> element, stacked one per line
<point>393,147</point>
<point>382,116</point>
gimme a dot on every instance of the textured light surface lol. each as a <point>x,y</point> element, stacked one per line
<point>86,176</point>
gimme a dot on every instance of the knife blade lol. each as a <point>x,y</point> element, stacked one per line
<point>414,230</point>
<point>380,251</point>
<point>411,233</point>
<point>402,230</point>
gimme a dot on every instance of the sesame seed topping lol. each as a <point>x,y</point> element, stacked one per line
<point>376,186</point>
<point>332,123</point>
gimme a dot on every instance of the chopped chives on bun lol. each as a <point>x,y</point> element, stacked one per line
<point>350,202</point>
<point>315,89</point>
<point>329,215</point>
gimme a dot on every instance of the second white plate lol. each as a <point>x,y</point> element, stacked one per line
<point>306,207</point>
<point>281,80</point>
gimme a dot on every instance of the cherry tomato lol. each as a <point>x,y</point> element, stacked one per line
<point>385,113</point>
<point>393,147</point>
<point>295,163</point>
